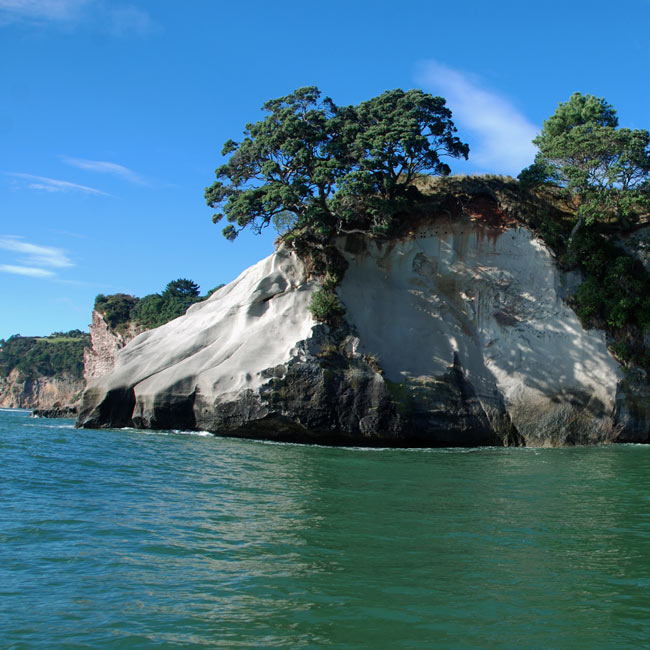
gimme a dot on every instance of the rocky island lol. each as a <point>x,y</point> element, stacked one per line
<point>455,332</point>
<point>403,306</point>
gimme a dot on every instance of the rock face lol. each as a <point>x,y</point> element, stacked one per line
<point>59,395</point>
<point>455,334</point>
<point>52,393</point>
<point>99,359</point>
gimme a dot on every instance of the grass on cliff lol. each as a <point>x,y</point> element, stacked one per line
<point>33,356</point>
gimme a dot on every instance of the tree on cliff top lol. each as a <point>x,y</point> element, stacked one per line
<point>322,168</point>
<point>182,289</point>
<point>606,169</point>
<point>120,310</point>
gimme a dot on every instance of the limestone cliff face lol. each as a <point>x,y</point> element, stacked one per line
<point>99,359</point>
<point>455,334</point>
<point>39,392</point>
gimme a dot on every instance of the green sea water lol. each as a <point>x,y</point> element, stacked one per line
<point>132,539</point>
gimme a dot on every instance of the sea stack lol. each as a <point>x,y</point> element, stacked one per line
<point>455,333</point>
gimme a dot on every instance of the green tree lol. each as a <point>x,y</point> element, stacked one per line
<point>285,163</point>
<point>319,167</point>
<point>148,311</point>
<point>115,308</point>
<point>388,141</point>
<point>182,289</point>
<point>606,169</point>
<point>157,309</point>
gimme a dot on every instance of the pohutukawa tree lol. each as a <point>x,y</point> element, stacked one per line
<point>605,168</point>
<point>322,168</point>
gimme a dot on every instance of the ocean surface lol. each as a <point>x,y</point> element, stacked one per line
<point>133,539</point>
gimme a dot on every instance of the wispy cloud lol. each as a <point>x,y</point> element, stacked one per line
<point>33,260</point>
<point>502,135</point>
<point>117,19</point>
<point>54,185</point>
<point>26,270</point>
<point>35,254</point>
<point>104,167</point>
<point>127,20</point>
<point>41,10</point>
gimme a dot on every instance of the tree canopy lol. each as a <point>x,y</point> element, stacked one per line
<point>311,164</point>
<point>155,309</point>
<point>606,168</point>
<point>182,289</point>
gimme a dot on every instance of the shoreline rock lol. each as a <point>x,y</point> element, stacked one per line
<point>69,411</point>
<point>457,334</point>
<point>39,391</point>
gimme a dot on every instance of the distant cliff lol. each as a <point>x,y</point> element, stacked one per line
<point>458,330</point>
<point>43,372</point>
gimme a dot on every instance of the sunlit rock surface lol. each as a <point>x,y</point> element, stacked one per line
<point>106,342</point>
<point>39,391</point>
<point>455,334</point>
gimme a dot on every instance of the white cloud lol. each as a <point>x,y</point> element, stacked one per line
<point>502,134</point>
<point>117,19</point>
<point>54,185</point>
<point>56,10</point>
<point>32,260</point>
<point>35,254</point>
<point>26,270</point>
<point>104,167</point>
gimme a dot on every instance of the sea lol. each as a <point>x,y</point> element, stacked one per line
<point>172,539</point>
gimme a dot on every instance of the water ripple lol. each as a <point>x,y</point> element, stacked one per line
<point>124,538</point>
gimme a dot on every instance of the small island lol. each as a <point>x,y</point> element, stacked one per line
<point>404,306</point>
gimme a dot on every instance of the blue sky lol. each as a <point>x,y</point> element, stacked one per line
<point>113,114</point>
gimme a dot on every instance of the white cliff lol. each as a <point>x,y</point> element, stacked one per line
<point>492,299</point>
<point>455,334</point>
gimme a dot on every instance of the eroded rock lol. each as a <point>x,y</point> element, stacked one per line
<point>456,334</point>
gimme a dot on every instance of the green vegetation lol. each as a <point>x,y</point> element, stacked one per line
<point>316,168</point>
<point>115,308</point>
<point>325,306</point>
<point>604,172</point>
<point>121,310</point>
<point>605,169</point>
<point>61,352</point>
<point>615,295</point>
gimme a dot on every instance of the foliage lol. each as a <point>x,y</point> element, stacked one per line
<point>120,310</point>
<point>182,289</point>
<point>393,138</point>
<point>325,306</point>
<point>615,294</point>
<point>314,166</point>
<point>606,169</point>
<point>61,352</point>
<point>148,312</point>
<point>115,308</point>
